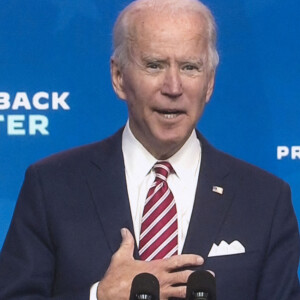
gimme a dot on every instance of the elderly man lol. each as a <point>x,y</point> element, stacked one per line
<point>180,204</point>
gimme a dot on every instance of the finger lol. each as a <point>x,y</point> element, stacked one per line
<point>177,292</point>
<point>127,244</point>
<point>184,260</point>
<point>179,277</point>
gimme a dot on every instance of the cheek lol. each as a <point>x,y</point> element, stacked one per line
<point>197,102</point>
<point>143,96</point>
<point>137,103</point>
<point>196,96</point>
<point>133,87</point>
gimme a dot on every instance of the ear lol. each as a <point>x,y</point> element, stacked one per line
<point>210,86</point>
<point>117,79</point>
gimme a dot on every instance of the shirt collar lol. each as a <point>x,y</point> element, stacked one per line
<point>186,160</point>
<point>139,162</point>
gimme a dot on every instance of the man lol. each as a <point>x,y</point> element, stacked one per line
<point>65,233</point>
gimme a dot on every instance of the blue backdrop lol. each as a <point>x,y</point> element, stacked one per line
<point>55,89</point>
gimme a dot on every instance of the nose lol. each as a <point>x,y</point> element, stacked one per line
<point>172,85</point>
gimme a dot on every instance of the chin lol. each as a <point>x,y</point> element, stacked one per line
<point>173,136</point>
<point>169,143</point>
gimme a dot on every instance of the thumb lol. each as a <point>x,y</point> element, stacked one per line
<point>127,245</point>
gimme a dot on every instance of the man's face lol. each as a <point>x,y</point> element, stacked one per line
<point>166,82</point>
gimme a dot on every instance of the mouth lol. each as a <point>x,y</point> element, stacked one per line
<point>170,114</point>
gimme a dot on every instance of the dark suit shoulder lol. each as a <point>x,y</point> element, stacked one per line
<point>77,157</point>
<point>252,172</point>
<point>248,168</point>
<point>224,164</point>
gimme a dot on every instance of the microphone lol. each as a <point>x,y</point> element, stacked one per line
<point>201,285</point>
<point>145,286</point>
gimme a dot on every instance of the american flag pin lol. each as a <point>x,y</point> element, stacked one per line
<point>217,189</point>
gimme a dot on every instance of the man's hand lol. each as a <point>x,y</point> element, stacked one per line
<point>123,268</point>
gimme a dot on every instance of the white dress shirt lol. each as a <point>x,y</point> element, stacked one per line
<point>140,175</point>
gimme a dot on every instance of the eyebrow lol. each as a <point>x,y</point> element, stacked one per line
<point>194,60</point>
<point>150,58</point>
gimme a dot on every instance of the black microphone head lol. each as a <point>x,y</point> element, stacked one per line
<point>201,285</point>
<point>145,286</point>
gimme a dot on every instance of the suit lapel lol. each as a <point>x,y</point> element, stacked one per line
<point>107,183</point>
<point>106,180</point>
<point>210,208</point>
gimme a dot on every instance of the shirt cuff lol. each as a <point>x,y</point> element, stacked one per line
<point>93,291</point>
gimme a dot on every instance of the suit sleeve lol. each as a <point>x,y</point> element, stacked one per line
<point>27,261</point>
<point>279,278</point>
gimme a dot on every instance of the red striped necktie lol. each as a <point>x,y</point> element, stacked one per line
<point>159,229</point>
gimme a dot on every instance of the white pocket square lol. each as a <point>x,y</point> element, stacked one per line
<point>226,249</point>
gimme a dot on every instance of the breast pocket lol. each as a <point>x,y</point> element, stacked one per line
<point>248,260</point>
<point>239,272</point>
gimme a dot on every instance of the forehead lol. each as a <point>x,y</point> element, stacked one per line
<point>159,30</point>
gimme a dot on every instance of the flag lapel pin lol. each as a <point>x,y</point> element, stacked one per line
<point>217,189</point>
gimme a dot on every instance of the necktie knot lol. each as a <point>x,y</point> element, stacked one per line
<point>162,170</point>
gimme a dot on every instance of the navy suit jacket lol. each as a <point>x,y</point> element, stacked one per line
<point>72,205</point>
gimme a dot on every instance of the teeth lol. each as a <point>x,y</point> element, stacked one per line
<point>170,116</point>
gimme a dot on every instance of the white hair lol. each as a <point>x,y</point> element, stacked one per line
<point>122,29</point>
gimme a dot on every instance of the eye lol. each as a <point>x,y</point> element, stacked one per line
<point>190,67</point>
<point>154,66</point>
